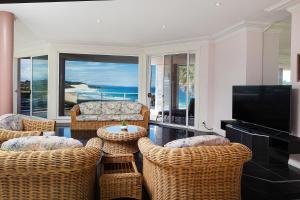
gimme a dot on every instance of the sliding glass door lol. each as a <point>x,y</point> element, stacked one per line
<point>24,99</point>
<point>175,101</point>
<point>33,86</point>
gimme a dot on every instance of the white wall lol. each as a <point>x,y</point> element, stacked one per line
<point>229,70</point>
<point>254,55</point>
<point>271,57</point>
<point>295,49</point>
<point>237,61</point>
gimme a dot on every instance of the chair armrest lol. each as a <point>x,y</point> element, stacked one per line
<point>145,112</point>
<point>8,134</point>
<point>194,156</point>
<point>45,162</point>
<point>75,111</point>
<point>38,125</point>
<point>94,143</point>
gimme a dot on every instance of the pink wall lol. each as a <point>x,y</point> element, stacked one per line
<point>6,62</point>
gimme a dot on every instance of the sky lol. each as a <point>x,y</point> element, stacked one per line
<point>100,73</point>
<point>40,69</point>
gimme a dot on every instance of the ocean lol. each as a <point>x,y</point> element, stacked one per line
<point>108,92</point>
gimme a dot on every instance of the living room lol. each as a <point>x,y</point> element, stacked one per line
<point>171,69</point>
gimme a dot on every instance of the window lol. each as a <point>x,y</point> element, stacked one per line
<point>96,78</point>
<point>33,85</point>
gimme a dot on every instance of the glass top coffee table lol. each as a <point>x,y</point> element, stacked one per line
<point>121,141</point>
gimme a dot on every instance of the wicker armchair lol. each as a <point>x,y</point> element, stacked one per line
<point>30,128</point>
<point>206,173</point>
<point>56,174</point>
<point>94,125</point>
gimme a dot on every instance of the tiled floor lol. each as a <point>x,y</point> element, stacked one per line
<point>158,134</point>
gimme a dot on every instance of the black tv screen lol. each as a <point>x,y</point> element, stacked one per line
<point>268,106</point>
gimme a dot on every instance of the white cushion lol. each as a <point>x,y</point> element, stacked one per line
<point>104,118</point>
<point>132,117</point>
<point>203,140</point>
<point>86,118</point>
<point>40,143</point>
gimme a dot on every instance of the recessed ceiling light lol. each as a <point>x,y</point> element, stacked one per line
<point>98,21</point>
<point>163,27</point>
<point>218,4</point>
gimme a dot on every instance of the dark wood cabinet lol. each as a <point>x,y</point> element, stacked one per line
<point>267,175</point>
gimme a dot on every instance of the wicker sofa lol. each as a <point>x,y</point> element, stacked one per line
<point>93,115</point>
<point>23,126</point>
<point>207,172</point>
<point>56,174</point>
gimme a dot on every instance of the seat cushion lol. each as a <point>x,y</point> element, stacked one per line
<point>132,117</point>
<point>111,107</point>
<point>13,122</point>
<point>203,140</point>
<point>104,118</point>
<point>40,143</point>
<point>83,118</point>
<point>91,108</point>
<point>131,108</point>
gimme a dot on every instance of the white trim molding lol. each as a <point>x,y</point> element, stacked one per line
<point>282,5</point>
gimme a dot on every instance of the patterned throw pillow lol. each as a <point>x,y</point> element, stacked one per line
<point>14,122</point>
<point>111,107</point>
<point>91,108</point>
<point>11,122</point>
<point>204,140</point>
<point>131,108</point>
<point>40,143</point>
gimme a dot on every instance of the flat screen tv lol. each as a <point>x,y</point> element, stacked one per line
<point>268,106</point>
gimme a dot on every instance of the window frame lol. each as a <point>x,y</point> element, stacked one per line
<point>63,57</point>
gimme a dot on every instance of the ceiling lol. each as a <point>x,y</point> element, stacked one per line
<point>132,22</point>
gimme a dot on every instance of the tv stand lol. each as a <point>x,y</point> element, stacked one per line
<point>267,175</point>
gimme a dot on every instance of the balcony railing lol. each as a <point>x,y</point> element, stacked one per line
<point>106,96</point>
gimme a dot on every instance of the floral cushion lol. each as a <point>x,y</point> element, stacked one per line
<point>13,122</point>
<point>91,108</point>
<point>104,118</point>
<point>40,143</point>
<point>204,140</point>
<point>83,118</point>
<point>111,107</point>
<point>131,108</point>
<point>132,117</point>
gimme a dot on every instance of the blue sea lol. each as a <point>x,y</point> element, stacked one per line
<point>107,92</point>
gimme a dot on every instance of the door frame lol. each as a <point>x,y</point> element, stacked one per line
<point>148,63</point>
<point>31,74</point>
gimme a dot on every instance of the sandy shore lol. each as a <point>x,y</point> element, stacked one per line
<point>71,94</point>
